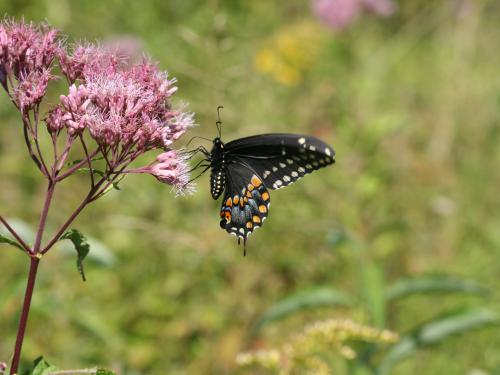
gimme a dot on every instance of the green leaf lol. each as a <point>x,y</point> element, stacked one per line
<point>100,255</point>
<point>87,169</point>
<point>426,285</point>
<point>373,291</point>
<point>434,332</point>
<point>103,371</point>
<point>82,247</point>
<point>9,241</point>
<point>300,301</point>
<point>438,330</point>
<point>41,367</point>
<point>76,161</point>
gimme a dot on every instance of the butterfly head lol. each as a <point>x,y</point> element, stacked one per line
<point>218,143</point>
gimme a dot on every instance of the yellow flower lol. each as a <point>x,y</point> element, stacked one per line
<point>287,55</point>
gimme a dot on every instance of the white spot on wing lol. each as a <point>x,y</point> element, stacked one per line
<point>286,178</point>
<point>301,140</point>
<point>328,152</point>
<point>295,174</point>
<point>312,148</point>
<point>282,165</point>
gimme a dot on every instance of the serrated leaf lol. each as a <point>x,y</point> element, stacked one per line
<point>101,254</point>
<point>434,332</point>
<point>82,247</point>
<point>426,285</point>
<point>41,367</point>
<point>9,241</point>
<point>301,301</point>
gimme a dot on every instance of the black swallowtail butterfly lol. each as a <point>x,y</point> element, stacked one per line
<point>244,170</point>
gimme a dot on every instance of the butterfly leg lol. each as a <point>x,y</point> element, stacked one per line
<point>203,171</point>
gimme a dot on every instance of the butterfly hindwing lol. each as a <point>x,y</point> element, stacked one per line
<point>281,159</point>
<point>246,200</point>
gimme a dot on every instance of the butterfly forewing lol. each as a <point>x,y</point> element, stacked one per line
<point>281,159</point>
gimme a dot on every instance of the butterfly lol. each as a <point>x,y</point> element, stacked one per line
<point>244,170</point>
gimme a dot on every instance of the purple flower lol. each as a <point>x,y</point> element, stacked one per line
<point>339,14</point>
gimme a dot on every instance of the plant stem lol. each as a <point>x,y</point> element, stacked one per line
<point>24,315</point>
<point>43,217</point>
<point>31,279</point>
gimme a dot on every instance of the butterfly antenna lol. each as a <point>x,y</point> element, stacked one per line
<point>218,123</point>
<point>197,136</point>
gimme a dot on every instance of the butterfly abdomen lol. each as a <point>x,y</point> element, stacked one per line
<point>217,175</point>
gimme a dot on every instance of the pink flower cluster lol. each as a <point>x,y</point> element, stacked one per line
<point>118,104</point>
<point>339,14</point>
<point>27,52</point>
<point>123,106</point>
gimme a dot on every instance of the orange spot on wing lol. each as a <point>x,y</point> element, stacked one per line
<point>262,208</point>
<point>249,194</point>
<point>236,199</point>
<point>228,216</point>
<point>256,181</point>
<point>229,202</point>
<point>265,196</point>
<point>250,187</point>
<point>256,219</point>
<point>249,225</point>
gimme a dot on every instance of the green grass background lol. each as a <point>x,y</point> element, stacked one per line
<point>410,104</point>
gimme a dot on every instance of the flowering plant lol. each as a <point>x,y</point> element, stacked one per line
<point>113,112</point>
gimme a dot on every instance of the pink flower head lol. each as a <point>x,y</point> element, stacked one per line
<point>26,48</point>
<point>120,104</point>
<point>31,89</point>
<point>171,168</point>
<point>86,60</point>
<point>339,14</point>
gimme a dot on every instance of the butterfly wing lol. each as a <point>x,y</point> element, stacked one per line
<point>246,199</point>
<point>281,159</point>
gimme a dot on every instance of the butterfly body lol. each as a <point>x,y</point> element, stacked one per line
<point>244,170</point>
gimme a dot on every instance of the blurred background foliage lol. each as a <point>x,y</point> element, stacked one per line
<point>411,104</point>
